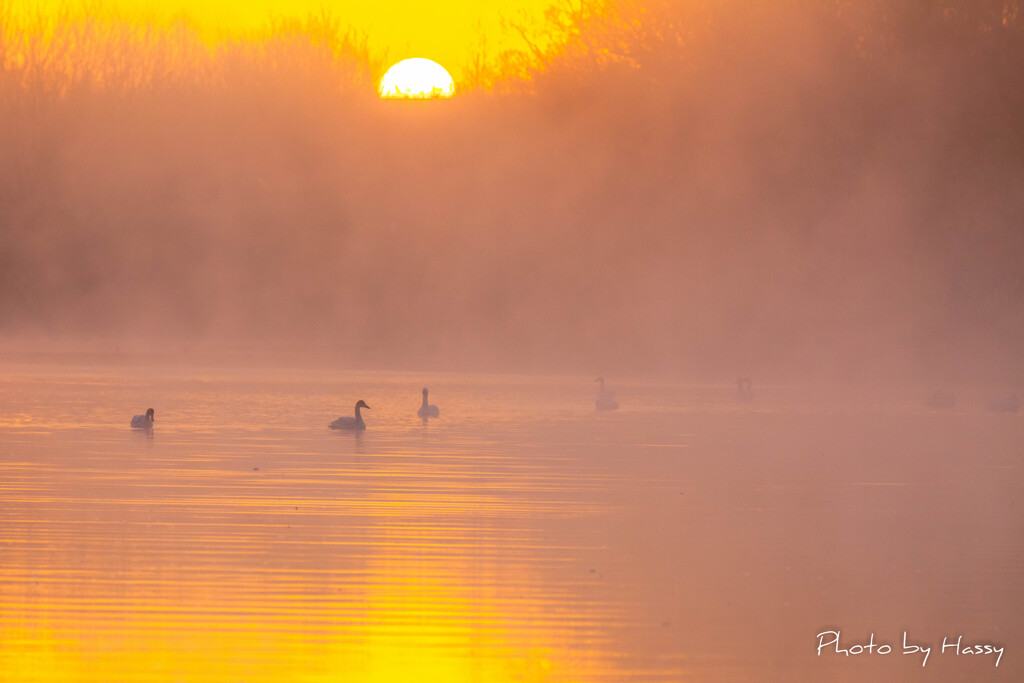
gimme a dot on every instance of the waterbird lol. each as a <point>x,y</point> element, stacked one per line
<point>428,410</point>
<point>1007,403</point>
<point>351,423</point>
<point>940,400</point>
<point>144,421</point>
<point>744,389</point>
<point>605,400</point>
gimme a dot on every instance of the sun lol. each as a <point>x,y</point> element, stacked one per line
<point>416,78</point>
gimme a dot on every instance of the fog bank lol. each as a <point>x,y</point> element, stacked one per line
<point>806,192</point>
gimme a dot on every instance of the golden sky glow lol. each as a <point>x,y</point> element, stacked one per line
<point>452,33</point>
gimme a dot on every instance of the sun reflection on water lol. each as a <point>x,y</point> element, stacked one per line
<point>264,553</point>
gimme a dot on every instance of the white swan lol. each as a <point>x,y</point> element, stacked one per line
<point>605,400</point>
<point>428,410</point>
<point>144,421</point>
<point>355,423</point>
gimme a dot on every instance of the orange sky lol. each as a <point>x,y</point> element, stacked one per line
<point>451,33</point>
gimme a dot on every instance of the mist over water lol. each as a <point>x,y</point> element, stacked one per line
<point>520,536</point>
<point>812,190</point>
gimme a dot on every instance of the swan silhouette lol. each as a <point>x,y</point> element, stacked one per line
<point>1007,403</point>
<point>940,400</point>
<point>428,410</point>
<point>351,423</point>
<point>605,400</point>
<point>143,421</point>
<point>744,389</point>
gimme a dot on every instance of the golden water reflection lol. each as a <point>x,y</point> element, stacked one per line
<point>256,553</point>
<point>521,537</point>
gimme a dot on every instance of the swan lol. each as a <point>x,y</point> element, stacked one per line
<point>940,400</point>
<point>605,400</point>
<point>744,389</point>
<point>1008,403</point>
<point>351,422</point>
<point>428,410</point>
<point>144,421</point>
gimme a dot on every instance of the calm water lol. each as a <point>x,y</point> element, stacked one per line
<point>521,536</point>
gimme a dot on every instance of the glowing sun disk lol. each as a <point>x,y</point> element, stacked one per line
<point>416,78</point>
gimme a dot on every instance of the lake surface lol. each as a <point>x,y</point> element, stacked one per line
<point>521,536</point>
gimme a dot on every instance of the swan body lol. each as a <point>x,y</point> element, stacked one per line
<point>1008,403</point>
<point>351,423</point>
<point>940,400</point>
<point>605,399</point>
<point>428,410</point>
<point>144,421</point>
<point>744,389</point>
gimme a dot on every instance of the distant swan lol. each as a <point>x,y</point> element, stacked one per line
<point>940,400</point>
<point>1008,403</point>
<point>351,423</point>
<point>605,400</point>
<point>428,410</point>
<point>144,421</point>
<point>744,389</point>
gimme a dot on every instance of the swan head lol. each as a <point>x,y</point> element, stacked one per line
<point>362,404</point>
<point>600,379</point>
<point>150,414</point>
<point>424,391</point>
